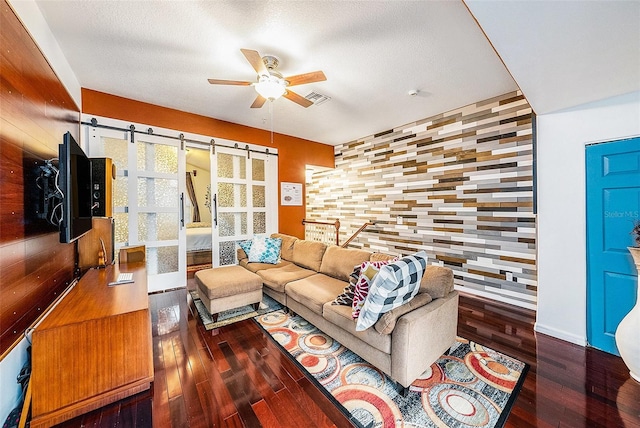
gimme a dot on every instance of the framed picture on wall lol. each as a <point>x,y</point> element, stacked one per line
<point>291,194</point>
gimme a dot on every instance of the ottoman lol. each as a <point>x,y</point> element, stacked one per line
<point>228,287</point>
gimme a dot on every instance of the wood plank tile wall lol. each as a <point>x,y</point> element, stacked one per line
<point>36,111</point>
<point>458,185</point>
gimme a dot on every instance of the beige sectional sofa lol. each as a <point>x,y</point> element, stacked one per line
<point>311,274</point>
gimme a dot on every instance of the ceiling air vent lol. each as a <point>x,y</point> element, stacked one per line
<point>317,98</point>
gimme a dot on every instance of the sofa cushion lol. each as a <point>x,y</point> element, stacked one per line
<point>338,262</point>
<point>346,297</point>
<point>395,284</point>
<point>265,250</point>
<point>308,254</point>
<point>286,251</point>
<point>341,316</point>
<point>368,272</point>
<point>255,267</point>
<point>437,281</point>
<point>387,321</point>
<point>277,278</point>
<point>314,291</point>
<point>381,257</point>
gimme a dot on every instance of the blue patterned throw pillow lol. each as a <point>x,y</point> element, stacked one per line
<point>396,284</point>
<point>265,250</point>
<point>246,246</point>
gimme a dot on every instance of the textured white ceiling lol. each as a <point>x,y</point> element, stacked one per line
<point>372,53</point>
<point>561,54</point>
<point>565,53</point>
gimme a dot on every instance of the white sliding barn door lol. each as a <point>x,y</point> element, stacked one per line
<point>148,199</point>
<point>157,220</point>
<point>244,201</point>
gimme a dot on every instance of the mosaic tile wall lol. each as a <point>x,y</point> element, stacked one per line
<point>458,185</point>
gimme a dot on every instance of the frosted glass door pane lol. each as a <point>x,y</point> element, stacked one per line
<point>232,195</point>
<point>120,197</point>
<point>118,150</point>
<point>259,223</point>
<point>157,226</point>
<point>231,166</point>
<point>257,169</point>
<point>162,260</point>
<point>157,158</point>
<point>225,165</point>
<point>117,146</point>
<point>158,192</point>
<point>231,224</point>
<point>258,197</point>
<point>121,227</point>
<point>227,253</point>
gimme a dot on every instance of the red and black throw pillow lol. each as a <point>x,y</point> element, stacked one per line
<point>346,298</point>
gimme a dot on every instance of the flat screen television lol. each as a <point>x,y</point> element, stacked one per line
<point>75,182</point>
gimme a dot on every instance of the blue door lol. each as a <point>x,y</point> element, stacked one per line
<point>613,205</point>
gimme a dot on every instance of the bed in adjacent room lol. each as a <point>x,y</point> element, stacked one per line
<point>198,243</point>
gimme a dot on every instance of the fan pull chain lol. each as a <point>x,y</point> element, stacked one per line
<point>271,114</point>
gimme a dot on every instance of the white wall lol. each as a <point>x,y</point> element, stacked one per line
<point>562,271</point>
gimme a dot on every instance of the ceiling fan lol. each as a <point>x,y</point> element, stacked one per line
<point>270,84</point>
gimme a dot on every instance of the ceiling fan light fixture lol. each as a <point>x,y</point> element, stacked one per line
<point>271,87</point>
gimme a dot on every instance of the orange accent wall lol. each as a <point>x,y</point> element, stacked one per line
<point>294,154</point>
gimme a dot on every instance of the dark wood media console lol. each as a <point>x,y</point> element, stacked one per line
<point>94,348</point>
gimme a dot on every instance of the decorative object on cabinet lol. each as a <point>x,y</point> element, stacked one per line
<point>628,331</point>
<point>89,245</point>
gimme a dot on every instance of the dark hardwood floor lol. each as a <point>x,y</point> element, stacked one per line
<point>236,377</point>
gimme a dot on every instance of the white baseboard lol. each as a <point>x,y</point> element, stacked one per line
<point>560,334</point>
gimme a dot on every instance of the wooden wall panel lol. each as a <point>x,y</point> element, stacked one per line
<point>294,154</point>
<point>458,185</point>
<point>36,111</point>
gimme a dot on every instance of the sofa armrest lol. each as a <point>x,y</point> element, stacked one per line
<point>421,336</point>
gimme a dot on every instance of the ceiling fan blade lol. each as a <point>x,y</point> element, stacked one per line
<point>290,95</point>
<point>255,60</point>
<point>301,79</point>
<point>229,82</point>
<point>258,102</point>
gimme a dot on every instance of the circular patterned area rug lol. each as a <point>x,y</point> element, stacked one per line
<point>470,386</point>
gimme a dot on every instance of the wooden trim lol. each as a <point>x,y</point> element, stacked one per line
<point>363,227</point>
<point>25,408</point>
<point>93,403</point>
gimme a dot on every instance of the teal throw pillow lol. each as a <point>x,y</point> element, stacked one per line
<point>265,250</point>
<point>246,246</point>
